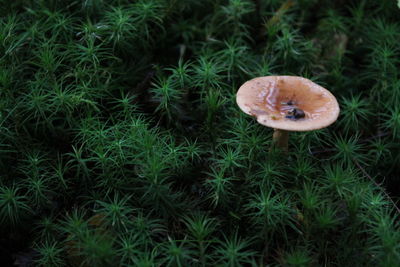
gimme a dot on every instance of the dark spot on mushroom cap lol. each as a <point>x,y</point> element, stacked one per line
<point>295,114</point>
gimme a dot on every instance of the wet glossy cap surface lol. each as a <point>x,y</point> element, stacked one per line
<point>289,103</point>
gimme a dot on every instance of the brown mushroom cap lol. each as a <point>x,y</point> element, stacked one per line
<point>272,98</point>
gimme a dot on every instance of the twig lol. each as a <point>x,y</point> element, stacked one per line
<point>376,184</point>
<point>321,151</point>
<point>279,13</point>
<point>375,136</point>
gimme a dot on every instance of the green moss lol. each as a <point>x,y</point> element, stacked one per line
<point>121,142</point>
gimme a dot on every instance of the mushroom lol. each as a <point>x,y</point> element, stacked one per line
<point>287,104</point>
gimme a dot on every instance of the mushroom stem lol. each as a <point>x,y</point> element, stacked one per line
<point>280,139</point>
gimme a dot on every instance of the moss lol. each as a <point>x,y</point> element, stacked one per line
<point>125,111</point>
